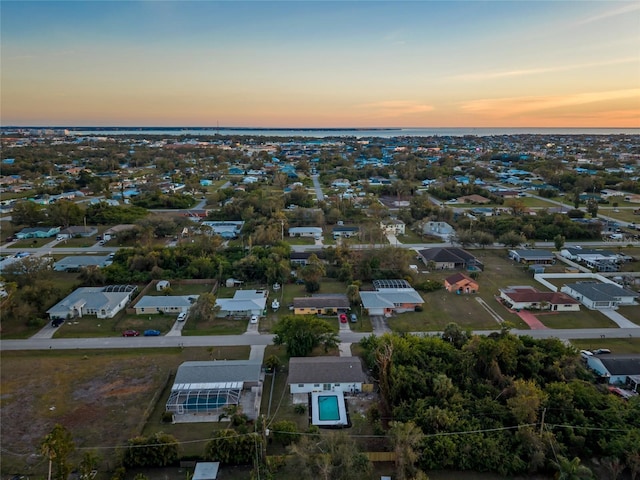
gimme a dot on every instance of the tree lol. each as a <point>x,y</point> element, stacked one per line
<point>204,310</point>
<point>157,450</point>
<point>312,272</point>
<point>273,362</point>
<point>228,447</point>
<point>558,241</point>
<point>405,437</point>
<point>592,207</point>
<point>353,294</point>
<point>88,464</point>
<point>284,431</point>
<point>511,239</point>
<point>570,469</point>
<point>302,334</point>
<point>329,457</point>
<point>58,446</point>
<point>526,401</point>
<point>27,213</point>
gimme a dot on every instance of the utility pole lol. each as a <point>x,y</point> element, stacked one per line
<point>544,411</point>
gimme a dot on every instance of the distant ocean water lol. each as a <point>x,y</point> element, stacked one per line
<point>349,132</point>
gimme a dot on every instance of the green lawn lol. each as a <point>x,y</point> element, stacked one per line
<point>409,237</point>
<point>32,242</point>
<point>299,240</point>
<point>584,319</point>
<point>616,345</point>
<point>88,327</point>
<point>183,289</point>
<point>631,312</point>
<point>217,326</point>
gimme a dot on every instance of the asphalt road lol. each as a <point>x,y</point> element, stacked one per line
<point>253,339</point>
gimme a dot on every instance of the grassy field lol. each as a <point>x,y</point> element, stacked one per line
<point>103,397</point>
<point>616,345</point>
<point>88,327</point>
<point>183,289</point>
<point>584,319</point>
<point>31,243</point>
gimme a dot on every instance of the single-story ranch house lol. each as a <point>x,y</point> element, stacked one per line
<point>527,297</point>
<point>539,257</point>
<point>450,258</point>
<point>243,304</point>
<point>202,389</point>
<point>70,264</point>
<point>321,304</point>
<point>460,283</point>
<point>390,296</point>
<point>318,374</point>
<point>152,304</point>
<point>314,232</point>
<point>103,302</point>
<point>595,296</point>
<point>617,369</point>
<point>37,232</point>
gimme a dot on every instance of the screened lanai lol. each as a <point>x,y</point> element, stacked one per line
<point>202,389</point>
<point>203,397</point>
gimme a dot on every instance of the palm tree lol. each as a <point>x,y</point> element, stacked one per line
<point>570,469</point>
<point>405,437</point>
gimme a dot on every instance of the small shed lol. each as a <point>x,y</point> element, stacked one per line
<point>232,282</point>
<point>162,285</point>
<point>206,471</point>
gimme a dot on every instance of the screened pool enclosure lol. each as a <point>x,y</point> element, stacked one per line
<point>208,398</point>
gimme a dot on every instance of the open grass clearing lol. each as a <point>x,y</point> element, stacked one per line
<point>217,326</point>
<point>88,327</point>
<point>183,289</point>
<point>584,319</point>
<point>616,345</point>
<point>31,243</point>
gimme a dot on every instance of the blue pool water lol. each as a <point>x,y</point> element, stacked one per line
<point>203,404</point>
<point>328,408</point>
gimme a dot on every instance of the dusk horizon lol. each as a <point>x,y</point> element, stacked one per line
<point>321,64</point>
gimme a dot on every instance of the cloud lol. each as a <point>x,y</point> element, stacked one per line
<point>506,107</point>
<point>631,7</point>
<point>396,108</point>
<point>541,70</point>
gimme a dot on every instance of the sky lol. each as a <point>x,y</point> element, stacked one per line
<point>319,64</point>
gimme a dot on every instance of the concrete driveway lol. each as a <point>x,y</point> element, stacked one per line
<point>379,324</point>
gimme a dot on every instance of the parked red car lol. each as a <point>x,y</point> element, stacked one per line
<point>130,333</point>
<point>343,318</point>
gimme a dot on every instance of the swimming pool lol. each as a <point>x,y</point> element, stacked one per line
<point>328,409</point>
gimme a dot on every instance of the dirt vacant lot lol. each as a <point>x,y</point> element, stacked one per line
<point>102,397</point>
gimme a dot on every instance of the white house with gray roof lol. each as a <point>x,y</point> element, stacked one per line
<point>151,304</point>
<point>74,263</point>
<point>103,302</point>
<point>243,304</point>
<point>597,296</point>
<point>322,374</point>
<point>389,297</point>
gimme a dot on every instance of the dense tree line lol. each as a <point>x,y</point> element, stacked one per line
<point>497,388</point>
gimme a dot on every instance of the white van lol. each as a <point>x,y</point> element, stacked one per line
<point>182,316</point>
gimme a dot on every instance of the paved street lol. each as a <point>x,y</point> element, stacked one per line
<point>346,336</point>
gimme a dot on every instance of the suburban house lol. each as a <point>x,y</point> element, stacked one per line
<point>37,232</point>
<point>439,229</point>
<point>596,296</point>
<point>79,231</point>
<point>341,183</point>
<point>460,283</point>
<point>449,258</point>
<point>532,256</point>
<point>318,374</point>
<point>315,232</point>
<point>321,304</point>
<point>617,369</point>
<point>527,297</point>
<point>601,260</point>
<point>389,297</point>
<point>152,304</point>
<point>75,263</point>
<point>202,389</point>
<point>345,232</point>
<point>299,258</point>
<point>244,303</point>
<point>393,225</point>
<point>103,302</point>
<point>226,229</point>
<point>115,230</point>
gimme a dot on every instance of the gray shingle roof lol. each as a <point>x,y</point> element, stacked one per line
<point>600,292</point>
<point>621,364</point>
<point>325,370</point>
<point>322,301</point>
<point>219,371</point>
